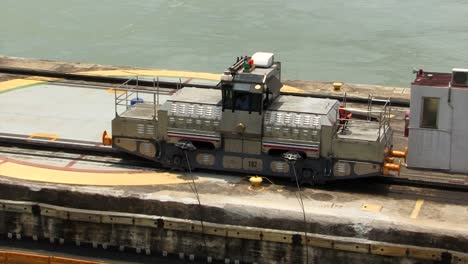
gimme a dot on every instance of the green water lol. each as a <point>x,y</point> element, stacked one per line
<point>359,41</point>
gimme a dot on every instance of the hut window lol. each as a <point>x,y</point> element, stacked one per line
<point>430,110</point>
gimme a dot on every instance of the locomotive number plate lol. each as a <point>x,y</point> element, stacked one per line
<point>252,164</point>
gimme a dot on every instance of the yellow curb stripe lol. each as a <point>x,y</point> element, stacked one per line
<point>417,208</point>
<point>32,173</point>
<point>51,137</point>
<point>162,73</point>
<point>112,90</point>
<point>17,83</point>
<point>176,74</point>
<point>291,89</point>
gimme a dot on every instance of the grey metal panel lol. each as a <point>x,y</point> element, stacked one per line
<point>252,146</point>
<point>251,123</point>
<point>429,148</point>
<point>256,75</point>
<point>141,111</point>
<point>197,96</point>
<point>361,130</point>
<point>245,87</point>
<point>274,83</point>
<point>131,127</point>
<point>459,155</point>
<point>326,141</point>
<point>194,110</point>
<point>292,119</point>
<point>308,105</point>
<point>358,150</point>
<point>233,145</point>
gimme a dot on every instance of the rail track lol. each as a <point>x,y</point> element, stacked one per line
<point>170,85</point>
<point>166,87</point>
<point>122,160</point>
<point>374,185</point>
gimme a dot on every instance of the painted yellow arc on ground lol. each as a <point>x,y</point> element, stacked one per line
<point>170,73</point>
<point>32,173</point>
<point>16,83</point>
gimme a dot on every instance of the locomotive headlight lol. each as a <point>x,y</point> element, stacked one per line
<point>240,128</point>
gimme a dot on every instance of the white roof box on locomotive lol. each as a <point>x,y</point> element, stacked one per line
<point>263,59</point>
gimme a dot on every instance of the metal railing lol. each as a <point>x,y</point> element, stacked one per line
<point>125,92</point>
<point>382,114</point>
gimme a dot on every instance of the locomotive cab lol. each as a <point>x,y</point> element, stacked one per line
<point>248,88</point>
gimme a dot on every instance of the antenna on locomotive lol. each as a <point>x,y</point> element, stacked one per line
<point>158,89</point>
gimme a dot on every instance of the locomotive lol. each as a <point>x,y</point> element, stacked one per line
<point>245,125</point>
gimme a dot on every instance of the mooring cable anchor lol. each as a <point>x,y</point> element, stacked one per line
<point>186,146</point>
<point>291,157</point>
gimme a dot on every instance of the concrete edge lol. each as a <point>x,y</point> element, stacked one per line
<point>233,231</point>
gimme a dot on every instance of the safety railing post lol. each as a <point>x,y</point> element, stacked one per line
<point>154,98</point>
<point>115,101</point>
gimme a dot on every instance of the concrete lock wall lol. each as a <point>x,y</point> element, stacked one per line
<point>238,244</point>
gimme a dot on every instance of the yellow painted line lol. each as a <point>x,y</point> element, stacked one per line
<point>417,208</point>
<point>162,73</point>
<point>291,89</point>
<point>371,207</point>
<point>42,78</point>
<point>52,175</point>
<point>16,83</point>
<point>177,74</point>
<point>112,91</point>
<point>52,137</point>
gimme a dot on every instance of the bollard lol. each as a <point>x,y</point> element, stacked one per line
<point>337,86</point>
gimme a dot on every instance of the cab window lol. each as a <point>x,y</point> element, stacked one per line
<point>227,97</point>
<point>242,101</point>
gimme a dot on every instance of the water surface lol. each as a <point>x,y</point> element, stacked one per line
<point>359,41</point>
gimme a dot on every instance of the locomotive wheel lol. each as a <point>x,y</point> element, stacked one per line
<point>309,177</point>
<point>177,161</point>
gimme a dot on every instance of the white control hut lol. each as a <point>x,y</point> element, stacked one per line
<point>438,127</point>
